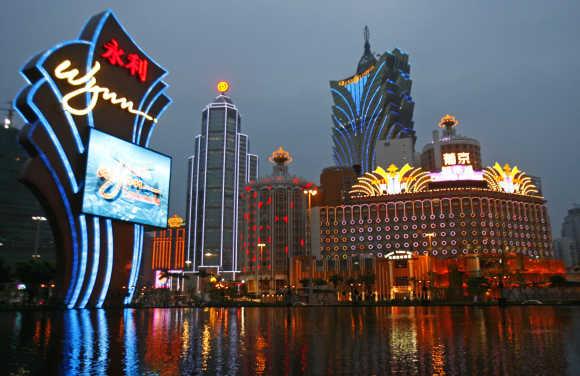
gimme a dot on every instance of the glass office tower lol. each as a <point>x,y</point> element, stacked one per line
<point>219,168</point>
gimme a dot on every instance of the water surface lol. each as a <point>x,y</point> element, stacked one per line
<point>291,341</point>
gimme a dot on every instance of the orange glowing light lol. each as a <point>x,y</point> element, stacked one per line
<point>223,86</point>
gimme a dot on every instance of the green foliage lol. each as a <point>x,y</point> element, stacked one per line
<point>319,282</point>
<point>305,282</point>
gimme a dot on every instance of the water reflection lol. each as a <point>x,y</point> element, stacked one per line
<point>281,341</point>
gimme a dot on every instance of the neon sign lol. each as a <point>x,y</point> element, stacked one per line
<point>136,65</point>
<point>74,89</point>
<point>88,84</point>
<point>451,159</point>
<point>355,78</point>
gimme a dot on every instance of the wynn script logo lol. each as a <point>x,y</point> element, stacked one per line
<point>124,181</point>
<point>88,84</point>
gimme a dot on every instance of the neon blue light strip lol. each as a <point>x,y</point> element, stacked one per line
<point>150,133</point>
<point>345,101</point>
<point>372,81</point>
<point>134,264</point>
<point>39,65</point>
<point>141,124</point>
<point>81,275</point>
<point>52,135</point>
<point>66,204</point>
<point>109,270</point>
<point>351,121</point>
<point>95,266</point>
<point>369,135</point>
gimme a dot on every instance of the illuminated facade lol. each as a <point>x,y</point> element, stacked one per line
<point>219,168</point>
<point>164,260</point>
<point>274,226</point>
<point>402,224</point>
<point>372,106</point>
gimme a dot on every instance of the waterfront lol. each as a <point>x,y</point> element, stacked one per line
<point>539,340</point>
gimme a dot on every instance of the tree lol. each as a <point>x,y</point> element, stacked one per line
<point>558,280</point>
<point>335,279</point>
<point>477,286</point>
<point>319,282</point>
<point>305,282</point>
<point>5,272</point>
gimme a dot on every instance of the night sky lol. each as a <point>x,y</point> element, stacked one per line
<point>507,70</point>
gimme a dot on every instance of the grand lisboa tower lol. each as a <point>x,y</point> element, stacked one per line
<point>373,105</point>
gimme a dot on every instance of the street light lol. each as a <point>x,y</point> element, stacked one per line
<point>37,219</point>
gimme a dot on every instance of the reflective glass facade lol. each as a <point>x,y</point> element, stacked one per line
<point>219,167</point>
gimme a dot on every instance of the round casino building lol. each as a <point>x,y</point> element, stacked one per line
<point>425,231</point>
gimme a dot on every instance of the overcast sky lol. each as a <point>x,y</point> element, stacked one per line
<point>509,71</point>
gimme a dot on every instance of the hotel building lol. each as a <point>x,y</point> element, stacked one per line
<point>218,170</point>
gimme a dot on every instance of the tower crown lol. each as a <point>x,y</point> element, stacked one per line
<point>280,157</point>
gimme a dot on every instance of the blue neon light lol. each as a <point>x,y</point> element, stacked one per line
<point>345,101</point>
<point>134,265</point>
<point>109,269</point>
<point>55,141</point>
<point>81,275</point>
<point>66,204</point>
<point>95,266</point>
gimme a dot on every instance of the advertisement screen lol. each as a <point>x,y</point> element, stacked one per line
<point>126,182</point>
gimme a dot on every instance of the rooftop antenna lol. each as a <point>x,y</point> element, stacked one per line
<point>367,35</point>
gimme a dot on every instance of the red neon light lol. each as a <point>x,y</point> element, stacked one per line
<point>269,201</point>
<point>136,65</point>
<point>286,249</point>
<point>248,188</point>
<point>302,242</point>
<point>285,218</point>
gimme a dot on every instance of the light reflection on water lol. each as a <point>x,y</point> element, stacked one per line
<point>282,341</point>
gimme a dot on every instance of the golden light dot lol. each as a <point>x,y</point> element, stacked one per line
<point>223,86</point>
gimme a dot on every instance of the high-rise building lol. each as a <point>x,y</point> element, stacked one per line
<point>219,168</point>
<point>275,217</point>
<point>571,235</point>
<point>22,234</point>
<point>373,105</point>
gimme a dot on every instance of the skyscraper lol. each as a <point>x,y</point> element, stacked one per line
<point>218,169</point>
<point>375,104</point>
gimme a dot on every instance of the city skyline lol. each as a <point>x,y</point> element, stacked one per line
<point>489,78</point>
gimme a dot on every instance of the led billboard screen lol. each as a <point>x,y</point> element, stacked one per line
<point>126,182</point>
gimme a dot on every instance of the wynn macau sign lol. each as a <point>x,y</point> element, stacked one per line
<point>91,105</point>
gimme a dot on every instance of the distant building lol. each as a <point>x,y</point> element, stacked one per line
<point>218,170</point>
<point>571,232</point>
<point>18,206</point>
<point>164,256</point>
<point>415,228</point>
<point>275,217</point>
<point>335,183</point>
<point>398,151</point>
<point>373,105</point>
<point>565,249</point>
<point>451,148</point>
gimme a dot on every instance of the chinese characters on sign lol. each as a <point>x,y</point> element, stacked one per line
<point>136,65</point>
<point>451,159</point>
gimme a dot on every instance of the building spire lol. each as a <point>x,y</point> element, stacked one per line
<point>367,35</point>
<point>367,60</point>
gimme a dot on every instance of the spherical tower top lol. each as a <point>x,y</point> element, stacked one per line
<point>280,157</point>
<point>222,87</point>
<point>448,122</point>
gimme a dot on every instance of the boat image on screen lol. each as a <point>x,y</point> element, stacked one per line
<point>126,182</point>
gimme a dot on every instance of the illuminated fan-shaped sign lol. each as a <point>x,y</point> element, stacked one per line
<point>509,180</point>
<point>392,181</point>
<point>99,86</point>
